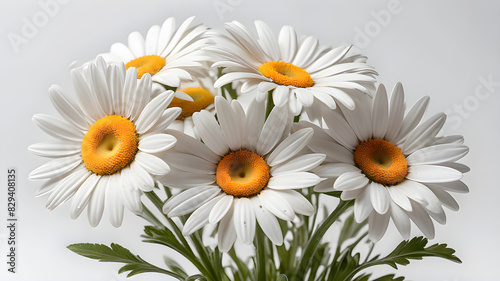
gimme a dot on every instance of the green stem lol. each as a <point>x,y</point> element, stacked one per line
<point>206,269</point>
<point>260,255</point>
<point>149,216</point>
<point>316,239</point>
<point>270,103</point>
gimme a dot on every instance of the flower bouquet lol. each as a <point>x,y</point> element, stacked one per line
<point>241,149</point>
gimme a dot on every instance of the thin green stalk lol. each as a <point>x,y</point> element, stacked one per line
<point>316,238</point>
<point>270,103</point>
<point>149,216</point>
<point>260,246</point>
<point>206,269</point>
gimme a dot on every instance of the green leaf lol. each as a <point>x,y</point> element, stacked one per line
<point>415,249</point>
<point>175,266</point>
<point>282,277</point>
<point>116,253</point>
<point>390,277</point>
<point>197,277</point>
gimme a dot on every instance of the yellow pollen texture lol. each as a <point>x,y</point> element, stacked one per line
<point>287,74</point>
<point>109,145</point>
<point>381,161</point>
<point>147,64</point>
<point>202,98</point>
<point>242,173</point>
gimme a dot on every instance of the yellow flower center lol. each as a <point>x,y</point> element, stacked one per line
<point>381,161</point>
<point>109,145</point>
<point>147,64</point>
<point>242,173</point>
<point>202,98</point>
<point>287,74</point>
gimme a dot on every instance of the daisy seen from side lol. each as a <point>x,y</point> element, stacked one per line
<point>109,142</point>
<point>300,72</point>
<point>169,54</point>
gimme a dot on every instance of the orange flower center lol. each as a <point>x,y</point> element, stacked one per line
<point>381,161</point>
<point>287,74</point>
<point>109,145</point>
<point>242,173</point>
<point>202,98</point>
<point>147,64</point>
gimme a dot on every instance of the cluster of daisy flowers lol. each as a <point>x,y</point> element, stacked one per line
<point>165,110</point>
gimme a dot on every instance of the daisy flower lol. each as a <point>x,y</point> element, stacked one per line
<point>108,143</point>
<point>392,164</point>
<point>168,54</point>
<point>243,173</point>
<point>299,72</point>
<point>203,95</point>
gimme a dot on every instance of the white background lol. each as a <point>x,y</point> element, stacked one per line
<point>445,49</point>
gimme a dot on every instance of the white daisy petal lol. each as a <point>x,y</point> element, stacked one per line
<point>66,188</point>
<point>274,203</point>
<point>57,128</point>
<point>151,42</point>
<point>199,217</point>
<point>325,186</point>
<point>396,112</point>
<point>362,206</point>
<point>332,150</point>
<point>122,51</point>
<point>55,167</point>
<point>132,200</point>
<point>220,209</point>
<point>423,134</point>
<point>226,232</point>
<point>244,220</point>
<point>421,218</point>
<point>177,179</point>
<point>55,150</point>
<point>412,118</point>
<point>298,202</point>
<point>334,170</point>
<point>267,222</point>
<point>153,111</point>
<point>230,125</point>
<point>293,180</point>
<point>190,145</point>
<point>379,197</point>
<point>437,154</point>
<point>350,194</point>
<point>113,201</point>
<point>456,186</point>
<point>189,200</point>
<point>272,130</point>
<point>433,173</point>
<point>380,113</point>
<point>210,132</point>
<point>378,225</point>
<point>299,164</point>
<point>140,178</point>
<point>82,195</point>
<point>287,39</point>
<point>72,113</point>
<point>157,143</point>
<point>281,95</point>
<point>446,199</point>
<point>399,198</point>
<point>289,147</point>
<point>190,163</point>
<point>136,44</point>
<point>401,220</point>
<point>339,129</point>
<point>152,164</point>
<point>254,122</point>
<point>95,208</point>
<point>350,181</point>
